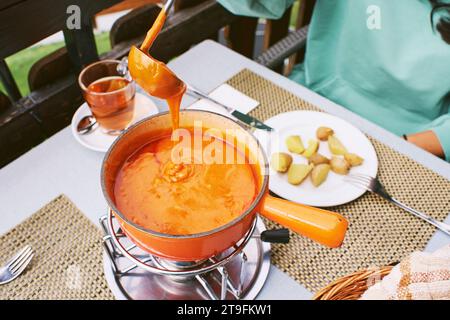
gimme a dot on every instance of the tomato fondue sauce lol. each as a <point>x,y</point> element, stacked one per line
<point>185,198</point>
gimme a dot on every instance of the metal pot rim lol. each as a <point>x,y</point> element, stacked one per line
<point>252,207</point>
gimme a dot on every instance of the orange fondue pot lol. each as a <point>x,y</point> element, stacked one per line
<point>325,227</point>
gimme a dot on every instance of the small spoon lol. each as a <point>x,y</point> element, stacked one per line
<point>87,124</point>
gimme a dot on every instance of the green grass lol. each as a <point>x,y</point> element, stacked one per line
<point>294,15</point>
<point>103,44</point>
<point>21,62</point>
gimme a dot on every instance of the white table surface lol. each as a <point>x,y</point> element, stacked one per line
<point>61,165</point>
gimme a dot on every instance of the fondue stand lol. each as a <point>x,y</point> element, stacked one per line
<point>237,273</point>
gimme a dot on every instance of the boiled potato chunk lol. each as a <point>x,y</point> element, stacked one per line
<point>319,174</point>
<point>353,159</point>
<point>317,158</point>
<point>323,133</point>
<point>280,161</point>
<point>336,146</point>
<point>298,172</point>
<point>340,165</point>
<point>295,144</point>
<point>313,146</point>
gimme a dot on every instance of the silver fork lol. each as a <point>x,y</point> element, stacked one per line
<point>373,185</point>
<point>14,267</point>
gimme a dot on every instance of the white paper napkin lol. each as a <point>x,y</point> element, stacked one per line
<point>228,96</point>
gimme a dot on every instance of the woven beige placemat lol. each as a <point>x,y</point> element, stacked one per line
<point>379,233</point>
<point>68,255</point>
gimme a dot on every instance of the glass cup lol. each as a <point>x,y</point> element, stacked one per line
<point>109,95</point>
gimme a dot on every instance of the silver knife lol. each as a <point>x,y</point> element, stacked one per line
<point>245,118</point>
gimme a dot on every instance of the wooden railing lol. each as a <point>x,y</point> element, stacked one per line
<point>127,5</point>
<point>54,97</point>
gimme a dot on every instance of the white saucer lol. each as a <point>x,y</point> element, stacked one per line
<point>97,140</point>
<point>334,191</point>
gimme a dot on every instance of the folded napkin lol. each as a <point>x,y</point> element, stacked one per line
<point>421,276</point>
<point>230,97</point>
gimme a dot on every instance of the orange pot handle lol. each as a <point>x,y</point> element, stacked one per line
<point>325,227</point>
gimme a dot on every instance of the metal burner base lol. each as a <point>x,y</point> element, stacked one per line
<point>140,284</point>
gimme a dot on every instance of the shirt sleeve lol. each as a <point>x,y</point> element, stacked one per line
<point>269,9</point>
<point>441,127</point>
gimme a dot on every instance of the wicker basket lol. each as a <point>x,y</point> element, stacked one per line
<point>351,287</point>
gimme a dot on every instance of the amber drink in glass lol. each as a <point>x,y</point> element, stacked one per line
<point>110,96</point>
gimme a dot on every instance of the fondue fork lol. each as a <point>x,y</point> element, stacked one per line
<point>168,5</point>
<point>245,118</point>
<point>374,185</point>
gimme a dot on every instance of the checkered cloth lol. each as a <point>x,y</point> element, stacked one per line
<point>421,276</point>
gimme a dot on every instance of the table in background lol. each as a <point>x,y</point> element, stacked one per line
<point>61,165</point>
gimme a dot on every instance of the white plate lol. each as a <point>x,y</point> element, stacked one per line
<point>334,191</point>
<point>97,140</point>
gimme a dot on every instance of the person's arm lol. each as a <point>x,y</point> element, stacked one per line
<point>428,141</point>
<point>270,9</point>
<point>436,140</point>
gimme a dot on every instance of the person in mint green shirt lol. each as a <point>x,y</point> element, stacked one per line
<point>388,61</point>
